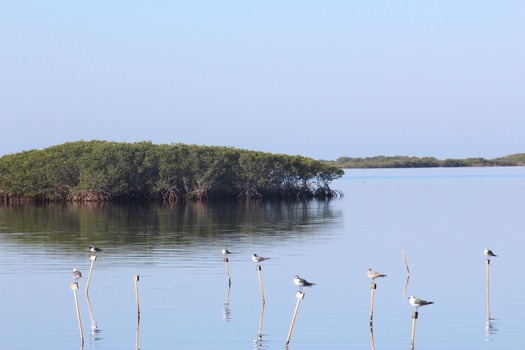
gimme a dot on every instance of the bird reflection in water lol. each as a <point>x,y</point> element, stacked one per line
<point>490,329</point>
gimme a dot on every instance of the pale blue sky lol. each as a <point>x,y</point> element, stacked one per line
<point>323,79</point>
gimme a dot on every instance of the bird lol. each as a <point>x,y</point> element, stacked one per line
<point>301,282</point>
<point>418,302</point>
<point>257,258</point>
<point>373,274</point>
<point>94,249</point>
<point>77,274</point>
<point>225,252</point>
<point>488,253</point>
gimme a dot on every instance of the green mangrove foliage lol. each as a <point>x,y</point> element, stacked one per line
<point>86,171</point>
<point>425,162</point>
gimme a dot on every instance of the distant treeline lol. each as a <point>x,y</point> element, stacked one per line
<point>426,162</point>
<point>112,171</point>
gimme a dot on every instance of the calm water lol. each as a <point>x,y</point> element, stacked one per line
<point>441,218</point>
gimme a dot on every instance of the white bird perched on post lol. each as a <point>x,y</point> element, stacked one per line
<point>94,249</point>
<point>489,253</point>
<point>301,282</point>
<point>225,252</point>
<point>373,274</point>
<point>257,259</point>
<point>77,274</point>
<point>418,302</point>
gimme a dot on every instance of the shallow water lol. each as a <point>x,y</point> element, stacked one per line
<point>441,218</point>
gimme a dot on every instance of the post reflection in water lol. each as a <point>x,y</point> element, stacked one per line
<point>259,340</point>
<point>94,328</point>
<point>226,313</point>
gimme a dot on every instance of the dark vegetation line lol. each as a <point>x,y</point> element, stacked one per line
<point>112,171</point>
<point>425,162</point>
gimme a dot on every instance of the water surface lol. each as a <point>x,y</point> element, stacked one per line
<point>441,218</point>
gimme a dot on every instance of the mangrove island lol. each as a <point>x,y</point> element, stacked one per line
<point>87,171</point>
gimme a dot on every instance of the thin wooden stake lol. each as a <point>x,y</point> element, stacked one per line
<point>228,271</point>
<point>258,267</point>
<point>373,288</point>
<point>414,318</point>
<point>488,288</point>
<point>372,336</point>
<point>136,279</point>
<point>259,333</point>
<point>408,274</point>
<point>405,260</point>
<point>93,259</point>
<point>74,287</point>
<point>299,296</point>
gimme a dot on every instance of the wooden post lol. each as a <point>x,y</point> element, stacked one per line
<point>228,271</point>
<point>414,318</point>
<point>299,296</point>
<point>372,287</point>
<point>74,287</point>
<point>259,333</point>
<point>372,336</point>
<point>136,279</point>
<point>258,267</point>
<point>405,260</point>
<point>408,275</point>
<point>488,288</point>
<point>93,258</point>
<point>406,287</point>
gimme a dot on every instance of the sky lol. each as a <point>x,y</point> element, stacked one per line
<point>321,79</point>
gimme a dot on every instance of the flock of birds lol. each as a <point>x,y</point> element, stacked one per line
<point>301,282</point>
<point>416,302</point>
<point>298,281</point>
